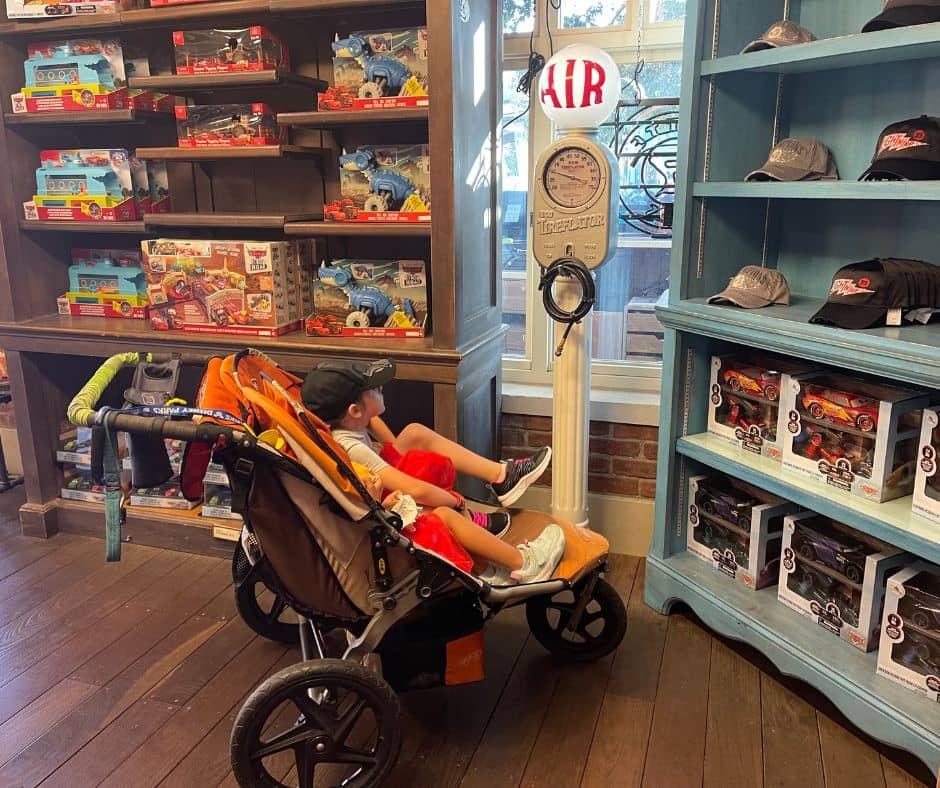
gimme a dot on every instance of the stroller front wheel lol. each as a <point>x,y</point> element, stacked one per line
<point>334,721</point>
<point>602,625</point>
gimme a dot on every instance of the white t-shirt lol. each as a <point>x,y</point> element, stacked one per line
<point>361,448</point>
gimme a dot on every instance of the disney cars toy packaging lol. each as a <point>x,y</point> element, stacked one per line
<point>854,435</point>
<point>105,283</point>
<point>737,528</point>
<point>225,287</point>
<point>379,69</point>
<point>361,298</point>
<point>383,184</point>
<point>227,125</point>
<point>926,500</point>
<point>56,9</point>
<point>909,652</point>
<point>744,400</point>
<point>836,576</point>
<point>151,186</point>
<point>223,51</point>
<point>217,494</point>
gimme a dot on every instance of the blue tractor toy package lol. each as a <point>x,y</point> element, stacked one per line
<point>391,183</point>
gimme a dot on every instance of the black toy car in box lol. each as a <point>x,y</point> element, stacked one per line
<point>221,51</point>
<point>225,125</point>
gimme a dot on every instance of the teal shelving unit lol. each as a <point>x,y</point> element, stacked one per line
<point>843,89</point>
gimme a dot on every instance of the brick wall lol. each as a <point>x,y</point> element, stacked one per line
<point>622,457</point>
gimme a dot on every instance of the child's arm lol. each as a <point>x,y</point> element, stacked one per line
<point>380,431</point>
<point>423,493</point>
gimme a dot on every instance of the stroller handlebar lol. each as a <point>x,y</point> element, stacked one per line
<point>81,410</point>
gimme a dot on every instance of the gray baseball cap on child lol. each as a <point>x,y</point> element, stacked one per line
<point>780,34</point>
<point>753,287</point>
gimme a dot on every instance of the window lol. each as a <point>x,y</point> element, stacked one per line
<point>627,338</point>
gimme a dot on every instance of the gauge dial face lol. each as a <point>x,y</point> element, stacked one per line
<point>572,177</point>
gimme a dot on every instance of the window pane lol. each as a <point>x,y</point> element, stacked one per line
<point>592,13</point>
<point>518,16</point>
<point>667,10</point>
<point>515,158</point>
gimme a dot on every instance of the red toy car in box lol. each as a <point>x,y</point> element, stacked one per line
<point>340,210</point>
<point>763,383</point>
<point>841,407</point>
<point>222,51</point>
<point>324,326</point>
<point>339,97</point>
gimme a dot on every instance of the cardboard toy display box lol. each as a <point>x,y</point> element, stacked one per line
<point>24,9</point>
<point>219,51</point>
<point>164,496</point>
<point>105,283</point>
<point>909,652</point>
<point>379,69</point>
<point>736,527</point>
<point>854,435</point>
<point>227,125</point>
<point>926,501</point>
<point>151,186</point>
<point>391,183</point>
<point>744,399</point>
<point>836,576</point>
<point>362,298</point>
<point>251,288</point>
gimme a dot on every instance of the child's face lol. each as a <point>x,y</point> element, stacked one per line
<point>373,402</point>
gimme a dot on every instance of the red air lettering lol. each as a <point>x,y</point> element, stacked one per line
<point>594,79</point>
<point>550,90</point>
<point>569,84</point>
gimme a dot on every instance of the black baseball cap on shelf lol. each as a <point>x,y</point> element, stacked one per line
<point>908,150</point>
<point>901,13</point>
<point>332,386</point>
<point>863,293</point>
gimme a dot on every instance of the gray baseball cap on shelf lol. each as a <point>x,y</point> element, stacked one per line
<point>797,159</point>
<point>754,287</point>
<point>780,34</point>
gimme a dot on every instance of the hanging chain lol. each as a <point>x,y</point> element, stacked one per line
<point>639,63</point>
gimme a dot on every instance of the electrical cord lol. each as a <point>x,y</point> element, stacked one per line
<point>567,266</point>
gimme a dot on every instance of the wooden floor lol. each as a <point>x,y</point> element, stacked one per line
<point>130,674</point>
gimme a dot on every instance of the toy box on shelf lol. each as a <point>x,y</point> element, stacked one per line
<point>164,496</point>
<point>379,70</point>
<point>75,447</point>
<point>737,528</point>
<point>222,51</point>
<point>75,75</point>
<point>145,99</point>
<point>223,125</point>
<point>30,9</point>
<point>358,298</point>
<point>851,434</point>
<point>910,634</point>
<point>217,494</point>
<point>84,185</point>
<point>926,501</point>
<point>225,287</point>
<point>105,283</point>
<point>151,186</point>
<point>78,485</point>
<point>744,400</point>
<point>836,576</point>
<point>383,184</point>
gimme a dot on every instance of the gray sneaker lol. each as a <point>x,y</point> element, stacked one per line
<point>496,576</point>
<point>541,555</point>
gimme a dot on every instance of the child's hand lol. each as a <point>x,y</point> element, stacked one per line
<point>391,500</point>
<point>374,485</point>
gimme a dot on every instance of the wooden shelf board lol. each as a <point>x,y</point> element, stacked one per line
<point>173,16</point>
<point>221,220</point>
<point>43,29</point>
<point>133,228</point>
<point>195,84</point>
<point>859,49</point>
<point>173,153</point>
<point>800,648</point>
<point>892,522</point>
<point>339,118</point>
<point>323,6</point>
<point>86,118</point>
<point>821,190</point>
<point>361,229</point>
<point>908,353</point>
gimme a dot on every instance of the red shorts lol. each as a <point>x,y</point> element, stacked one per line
<point>428,466</point>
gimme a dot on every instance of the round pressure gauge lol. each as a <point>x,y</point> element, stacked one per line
<point>572,177</point>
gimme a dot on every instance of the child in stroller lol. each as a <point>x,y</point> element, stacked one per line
<point>348,396</point>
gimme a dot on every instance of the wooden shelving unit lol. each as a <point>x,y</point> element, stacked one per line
<point>109,117</point>
<point>734,109</point>
<point>451,376</point>
<point>341,118</point>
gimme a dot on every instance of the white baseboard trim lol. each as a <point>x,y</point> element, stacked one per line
<point>627,523</point>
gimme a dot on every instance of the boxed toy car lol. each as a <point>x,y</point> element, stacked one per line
<point>836,576</point>
<point>73,75</point>
<point>151,186</point>
<point>221,51</point>
<point>357,298</point>
<point>105,283</point>
<point>383,184</point>
<point>76,448</point>
<point>145,99</point>
<point>225,125</point>
<point>744,401</point>
<point>83,185</point>
<point>225,287</point>
<point>29,9</point>
<point>165,496</point>
<point>737,528</point>
<point>379,69</point>
<point>77,485</point>
<point>217,498</point>
<point>926,501</point>
<point>909,652</point>
<point>851,434</point>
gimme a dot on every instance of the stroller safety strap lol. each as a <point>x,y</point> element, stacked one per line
<point>114,511</point>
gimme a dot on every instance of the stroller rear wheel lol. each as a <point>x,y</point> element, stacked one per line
<point>266,612</point>
<point>602,625</point>
<point>332,720</point>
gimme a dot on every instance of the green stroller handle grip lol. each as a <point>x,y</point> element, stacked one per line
<point>81,410</point>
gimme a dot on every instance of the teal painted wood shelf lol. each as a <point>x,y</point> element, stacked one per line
<point>843,89</point>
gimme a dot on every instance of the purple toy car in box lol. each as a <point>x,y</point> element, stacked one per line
<point>816,546</point>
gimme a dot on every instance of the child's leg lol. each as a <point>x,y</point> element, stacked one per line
<point>417,436</point>
<point>478,541</point>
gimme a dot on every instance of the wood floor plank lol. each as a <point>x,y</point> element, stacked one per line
<point>70,549</point>
<point>733,737</point>
<point>160,753</point>
<point>21,551</point>
<point>676,754</point>
<point>618,751</point>
<point>791,739</point>
<point>896,777</point>
<point>847,761</point>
